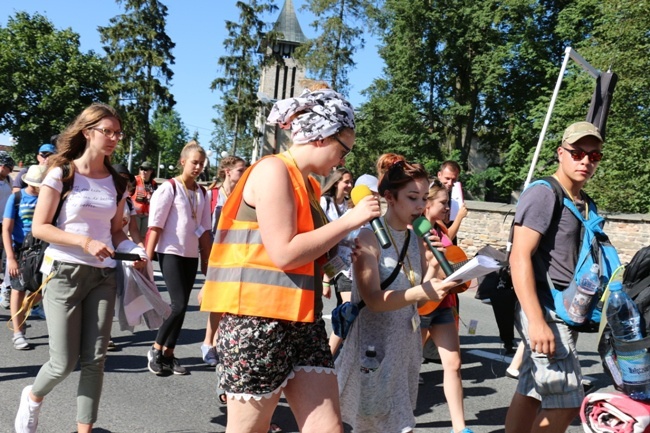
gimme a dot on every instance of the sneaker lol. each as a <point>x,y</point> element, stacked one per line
<point>27,416</point>
<point>512,373</point>
<point>465,430</point>
<point>209,355</point>
<point>5,297</point>
<point>38,312</point>
<point>111,346</point>
<point>171,364</point>
<point>20,342</point>
<point>155,365</point>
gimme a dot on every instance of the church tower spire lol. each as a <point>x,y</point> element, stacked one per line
<point>280,80</point>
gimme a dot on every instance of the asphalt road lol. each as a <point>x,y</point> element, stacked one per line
<point>135,400</point>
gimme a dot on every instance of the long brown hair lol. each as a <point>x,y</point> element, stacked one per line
<point>332,181</point>
<point>71,143</point>
<point>395,172</point>
<point>224,164</point>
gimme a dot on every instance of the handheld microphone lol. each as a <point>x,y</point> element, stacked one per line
<point>358,193</point>
<point>422,228</point>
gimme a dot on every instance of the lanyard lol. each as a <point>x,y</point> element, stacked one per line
<point>192,200</point>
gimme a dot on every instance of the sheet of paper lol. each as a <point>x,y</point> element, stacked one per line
<point>477,267</point>
<point>457,200</point>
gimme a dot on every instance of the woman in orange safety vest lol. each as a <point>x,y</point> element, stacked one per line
<point>265,271</point>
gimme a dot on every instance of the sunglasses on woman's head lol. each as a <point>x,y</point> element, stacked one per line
<point>578,155</point>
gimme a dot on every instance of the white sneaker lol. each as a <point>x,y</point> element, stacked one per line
<point>209,355</point>
<point>20,342</point>
<point>27,416</point>
<point>5,297</point>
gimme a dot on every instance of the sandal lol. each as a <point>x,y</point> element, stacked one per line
<point>222,398</point>
<point>274,428</point>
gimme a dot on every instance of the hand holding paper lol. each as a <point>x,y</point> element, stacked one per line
<point>477,267</point>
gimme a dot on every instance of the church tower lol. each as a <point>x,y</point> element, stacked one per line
<point>279,81</point>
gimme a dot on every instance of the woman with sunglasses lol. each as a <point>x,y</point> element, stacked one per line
<point>265,271</point>
<point>145,186</point>
<point>390,322</point>
<point>80,284</point>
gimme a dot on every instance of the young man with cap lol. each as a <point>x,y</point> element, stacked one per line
<point>549,392</point>
<point>44,152</point>
<point>145,185</point>
<point>6,166</point>
<point>16,224</point>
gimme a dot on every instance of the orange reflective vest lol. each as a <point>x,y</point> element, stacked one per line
<point>140,197</point>
<point>242,279</point>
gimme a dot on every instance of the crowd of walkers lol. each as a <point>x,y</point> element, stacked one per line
<point>271,243</point>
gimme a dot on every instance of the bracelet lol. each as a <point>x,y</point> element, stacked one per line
<point>87,244</point>
<point>326,283</point>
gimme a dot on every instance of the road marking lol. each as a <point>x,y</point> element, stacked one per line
<point>490,355</point>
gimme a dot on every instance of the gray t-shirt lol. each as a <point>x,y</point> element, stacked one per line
<point>18,180</point>
<point>557,252</point>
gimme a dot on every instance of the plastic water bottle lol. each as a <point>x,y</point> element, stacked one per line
<point>373,401</point>
<point>624,319</point>
<point>369,362</point>
<point>581,296</point>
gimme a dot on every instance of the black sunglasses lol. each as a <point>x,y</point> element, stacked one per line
<point>145,169</point>
<point>578,155</point>
<point>46,154</point>
<point>343,145</point>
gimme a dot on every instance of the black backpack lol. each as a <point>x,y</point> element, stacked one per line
<point>636,283</point>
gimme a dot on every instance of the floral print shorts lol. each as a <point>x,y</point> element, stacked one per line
<point>257,355</point>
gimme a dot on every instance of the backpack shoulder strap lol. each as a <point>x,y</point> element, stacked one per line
<point>18,195</point>
<point>213,199</point>
<point>173,182</point>
<point>559,192</point>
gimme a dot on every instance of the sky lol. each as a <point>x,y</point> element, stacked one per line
<point>197,27</point>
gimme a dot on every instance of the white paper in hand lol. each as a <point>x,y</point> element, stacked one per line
<point>457,200</point>
<point>477,267</point>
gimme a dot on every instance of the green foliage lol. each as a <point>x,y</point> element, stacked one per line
<point>46,81</point>
<point>139,51</point>
<point>464,75</point>
<point>340,24</point>
<point>171,135</point>
<point>240,70</point>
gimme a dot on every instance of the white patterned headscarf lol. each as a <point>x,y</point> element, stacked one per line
<point>323,113</point>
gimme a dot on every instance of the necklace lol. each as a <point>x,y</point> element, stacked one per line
<point>192,200</point>
<point>411,274</point>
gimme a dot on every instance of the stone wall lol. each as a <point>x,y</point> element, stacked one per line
<point>489,224</point>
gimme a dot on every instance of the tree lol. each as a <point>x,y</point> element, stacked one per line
<point>139,50</point>
<point>171,135</point>
<point>240,69</point>
<point>330,55</point>
<point>46,81</point>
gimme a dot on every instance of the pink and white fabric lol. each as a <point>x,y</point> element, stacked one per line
<point>614,413</point>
